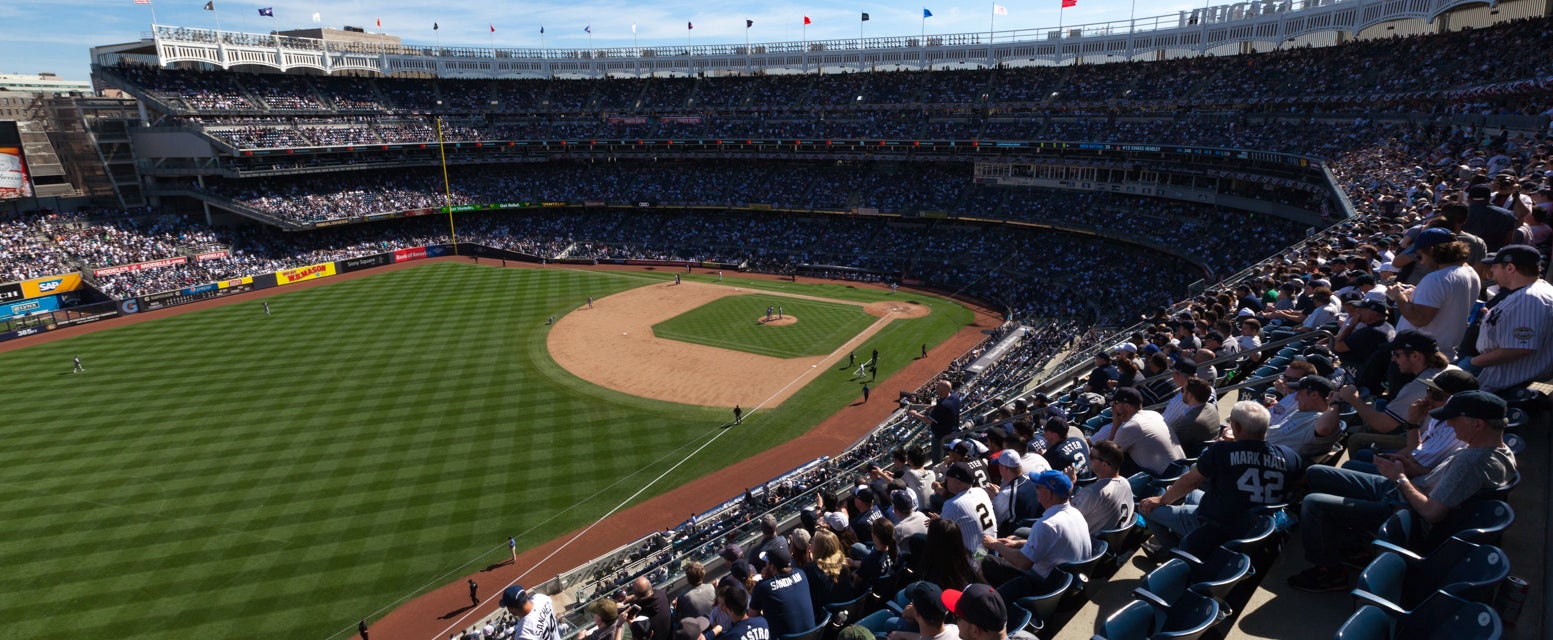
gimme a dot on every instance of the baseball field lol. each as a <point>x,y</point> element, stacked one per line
<point>227,474</point>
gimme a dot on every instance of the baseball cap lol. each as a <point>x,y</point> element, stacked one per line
<point>1520,255</point>
<point>1321,282</point>
<point>741,570</point>
<point>1244,313</point>
<point>1479,192</point>
<point>836,520</point>
<point>978,605</point>
<point>1390,268</point>
<point>1451,381</point>
<point>1187,368</point>
<point>1057,424</point>
<point>1313,383</point>
<point>692,628</point>
<point>1322,363</point>
<point>862,492</point>
<point>1054,480</point>
<point>927,597</point>
<point>779,558</point>
<point>1430,238</point>
<point>1473,404</point>
<point>855,632</point>
<point>1414,340</point>
<point>1008,458</point>
<point>1128,395</point>
<point>962,472</point>
<point>731,552</point>
<point>514,596</point>
<point>1371,304</point>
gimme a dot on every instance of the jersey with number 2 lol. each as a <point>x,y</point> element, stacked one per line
<point>1245,475</point>
<point>972,511</point>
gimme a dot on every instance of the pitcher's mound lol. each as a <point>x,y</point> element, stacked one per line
<point>901,309</point>
<point>776,322</point>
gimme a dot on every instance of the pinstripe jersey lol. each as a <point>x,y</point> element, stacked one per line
<point>1523,320</point>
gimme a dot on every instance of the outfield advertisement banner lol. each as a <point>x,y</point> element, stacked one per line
<point>28,307</point>
<point>111,313</point>
<point>140,266</point>
<point>406,255</point>
<point>203,292</point>
<point>357,264</point>
<point>210,255</point>
<point>438,250</point>
<point>39,287</point>
<point>12,291</point>
<point>238,282</point>
<point>310,272</point>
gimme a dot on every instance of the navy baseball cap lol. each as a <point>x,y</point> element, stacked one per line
<point>514,596</point>
<point>1414,340</point>
<point>1187,368</point>
<point>927,597</point>
<point>1371,304</point>
<point>778,557</point>
<point>1128,395</point>
<point>1522,256</point>
<point>1473,404</point>
<point>1318,384</point>
<point>1451,381</point>
<point>979,604</point>
<point>962,472</point>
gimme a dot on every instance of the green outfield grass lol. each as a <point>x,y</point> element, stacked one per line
<point>222,474</point>
<point>735,323</point>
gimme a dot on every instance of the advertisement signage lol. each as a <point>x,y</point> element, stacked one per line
<point>238,282</point>
<point>310,272</point>
<point>406,255</point>
<point>39,287</point>
<point>210,255</point>
<point>26,307</point>
<point>357,264</point>
<point>167,299</point>
<point>12,291</point>
<point>140,266</point>
<point>14,181</point>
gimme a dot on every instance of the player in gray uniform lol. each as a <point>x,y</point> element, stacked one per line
<point>1515,341</point>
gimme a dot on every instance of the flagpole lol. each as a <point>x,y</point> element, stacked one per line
<point>447,187</point>
<point>153,18</point>
<point>992,25</point>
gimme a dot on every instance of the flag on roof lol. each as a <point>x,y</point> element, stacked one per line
<point>588,28</point>
<point>926,13</point>
<point>806,20</point>
<point>142,1</point>
<point>865,17</point>
<point>210,6</point>
<point>1069,3</point>
<point>1000,10</point>
<point>749,23</point>
<point>267,12</point>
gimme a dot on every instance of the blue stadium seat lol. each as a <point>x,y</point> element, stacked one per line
<point>1457,567</point>
<point>1441,617</point>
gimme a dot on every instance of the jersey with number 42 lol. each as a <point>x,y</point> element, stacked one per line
<point>1243,475</point>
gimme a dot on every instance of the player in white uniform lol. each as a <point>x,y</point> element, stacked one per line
<point>1515,340</point>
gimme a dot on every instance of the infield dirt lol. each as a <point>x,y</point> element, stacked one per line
<point>611,344</point>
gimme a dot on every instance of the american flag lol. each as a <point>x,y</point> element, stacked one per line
<point>142,1</point>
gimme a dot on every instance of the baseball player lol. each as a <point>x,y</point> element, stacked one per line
<point>865,393</point>
<point>78,367</point>
<point>676,278</point>
<point>719,276</point>
<point>769,310</point>
<point>474,593</point>
<point>512,545</point>
<point>590,302</point>
<point>738,415</point>
<point>266,309</point>
<point>779,313</point>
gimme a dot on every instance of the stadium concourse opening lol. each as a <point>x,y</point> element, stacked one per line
<point>612,345</point>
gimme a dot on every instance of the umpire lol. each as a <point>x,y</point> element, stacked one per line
<point>943,418</point>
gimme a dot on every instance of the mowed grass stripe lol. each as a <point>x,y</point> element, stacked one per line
<point>224,474</point>
<point>736,323</point>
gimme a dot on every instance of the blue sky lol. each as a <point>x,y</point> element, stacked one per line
<point>56,36</point>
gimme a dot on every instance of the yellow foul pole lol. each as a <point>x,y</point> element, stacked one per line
<point>447,188</point>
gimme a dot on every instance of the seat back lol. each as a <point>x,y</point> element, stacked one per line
<point>1083,570</point>
<point>810,634</point>
<point>1167,581</point>
<point>1045,605</point>
<point>846,611</point>
<point>1220,572</point>
<point>1368,623</point>
<point>1119,541</point>
<point>1458,567</point>
<point>1384,577</point>
<point>1397,529</point>
<point>1446,616</point>
<point>1191,616</point>
<point>1481,521</point>
<point>1136,621</point>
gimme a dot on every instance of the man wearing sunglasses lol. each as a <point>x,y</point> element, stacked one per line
<point>1417,355</point>
<point>1429,441</point>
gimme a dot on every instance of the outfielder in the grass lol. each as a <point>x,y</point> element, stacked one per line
<point>738,414</point>
<point>78,367</point>
<point>266,309</point>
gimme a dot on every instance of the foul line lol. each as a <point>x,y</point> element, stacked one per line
<point>721,432</point>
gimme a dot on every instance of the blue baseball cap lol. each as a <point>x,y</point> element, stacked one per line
<point>514,596</point>
<point>1056,481</point>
